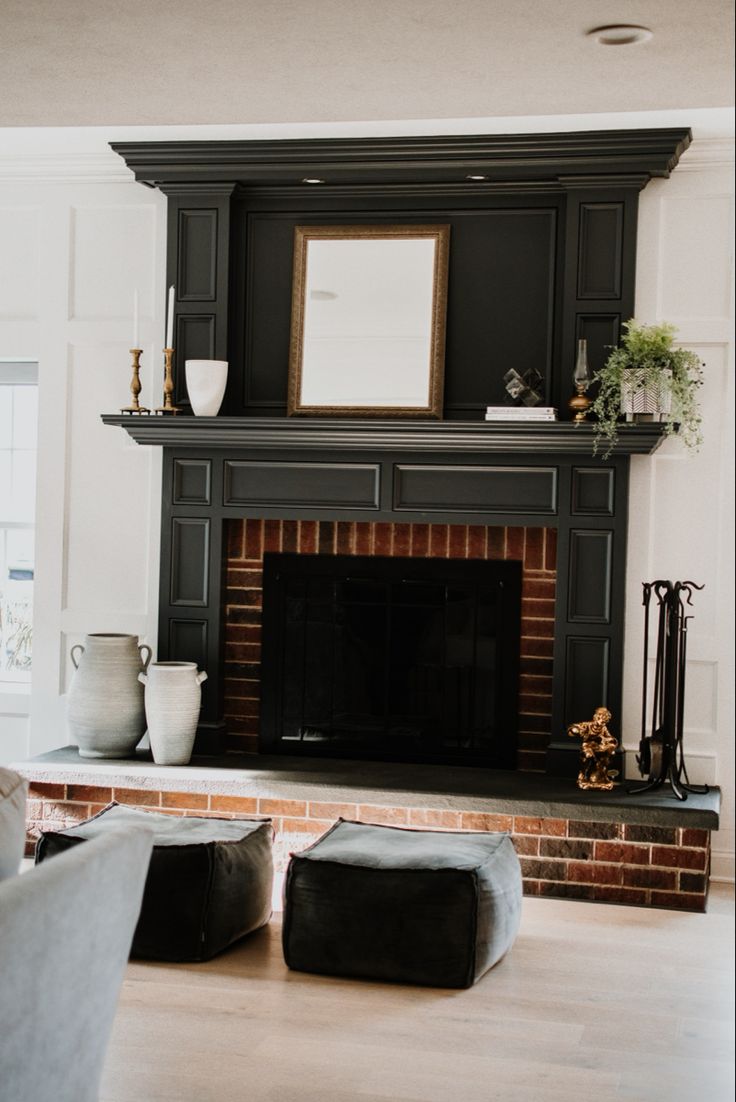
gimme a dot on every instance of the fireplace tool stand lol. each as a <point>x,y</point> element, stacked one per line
<point>660,753</point>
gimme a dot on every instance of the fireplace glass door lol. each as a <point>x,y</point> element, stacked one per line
<point>394,659</point>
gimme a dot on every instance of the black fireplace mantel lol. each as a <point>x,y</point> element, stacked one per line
<point>449,437</point>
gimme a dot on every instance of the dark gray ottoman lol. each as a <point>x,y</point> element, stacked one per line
<point>209,881</point>
<point>414,906</point>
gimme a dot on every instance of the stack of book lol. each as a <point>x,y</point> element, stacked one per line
<point>520,413</point>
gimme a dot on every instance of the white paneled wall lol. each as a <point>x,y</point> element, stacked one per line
<point>681,520</point>
<point>71,255</point>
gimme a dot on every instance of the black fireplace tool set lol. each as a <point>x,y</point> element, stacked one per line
<point>661,756</point>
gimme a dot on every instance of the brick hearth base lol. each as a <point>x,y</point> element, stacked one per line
<point>658,866</point>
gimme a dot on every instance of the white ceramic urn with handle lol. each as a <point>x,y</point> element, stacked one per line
<point>173,698</point>
<point>104,704</point>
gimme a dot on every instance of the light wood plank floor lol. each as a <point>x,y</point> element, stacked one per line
<point>594,1003</point>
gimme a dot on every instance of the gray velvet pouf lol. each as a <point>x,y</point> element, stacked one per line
<point>413,906</point>
<point>209,882</point>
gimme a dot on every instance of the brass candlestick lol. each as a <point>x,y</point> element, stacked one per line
<point>168,406</point>
<point>135,384</point>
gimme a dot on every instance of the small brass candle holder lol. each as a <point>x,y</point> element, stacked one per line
<point>135,384</point>
<point>168,406</point>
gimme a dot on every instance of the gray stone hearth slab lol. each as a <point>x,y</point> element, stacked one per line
<point>382,783</point>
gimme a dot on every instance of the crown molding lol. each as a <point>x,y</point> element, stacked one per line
<point>708,153</point>
<point>83,168</point>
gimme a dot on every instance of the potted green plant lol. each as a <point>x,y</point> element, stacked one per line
<point>646,376</point>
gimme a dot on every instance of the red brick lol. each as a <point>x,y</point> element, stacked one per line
<point>439,536</point>
<point>345,537</point>
<point>243,633</point>
<point>692,836</point>
<point>253,539</point>
<point>290,535</point>
<point>327,534</point>
<point>308,536</point>
<point>476,541</point>
<point>496,543</point>
<point>363,537</point>
<point>314,827</point>
<point>195,801</point>
<point>558,890</point>
<point>534,549</point>
<point>525,824</point>
<point>87,793</point>
<point>623,853</point>
<point>543,869</point>
<point>235,543</point>
<point>56,811</point>
<point>679,901</point>
<point>636,832</point>
<point>674,857</point>
<point>578,849</point>
<point>530,887</point>
<point>296,809</point>
<point>535,628</point>
<point>526,845</point>
<point>244,805</point>
<point>536,648</point>
<point>692,882</point>
<point>402,539</point>
<point>590,829</point>
<point>604,893</point>
<point>592,873</point>
<point>515,543</point>
<point>141,796</point>
<point>420,540</point>
<point>542,610</point>
<point>382,534</point>
<point>531,761</point>
<point>432,819</point>
<point>45,791</point>
<point>458,541</point>
<point>483,820</point>
<point>665,879</point>
<point>390,816</point>
<point>538,587</point>
<point>272,535</point>
<point>318,809</point>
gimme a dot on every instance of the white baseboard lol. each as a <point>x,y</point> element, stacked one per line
<point>722,866</point>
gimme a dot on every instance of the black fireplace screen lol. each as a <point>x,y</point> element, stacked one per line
<point>394,659</point>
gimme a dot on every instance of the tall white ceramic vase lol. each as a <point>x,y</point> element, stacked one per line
<point>173,698</point>
<point>105,702</point>
<point>206,382</point>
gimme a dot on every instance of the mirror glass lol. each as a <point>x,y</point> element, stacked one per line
<point>368,320</point>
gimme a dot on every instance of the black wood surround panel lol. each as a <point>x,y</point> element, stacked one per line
<point>542,252</point>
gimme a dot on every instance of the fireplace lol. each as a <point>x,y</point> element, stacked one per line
<point>395,659</point>
<point>441,549</point>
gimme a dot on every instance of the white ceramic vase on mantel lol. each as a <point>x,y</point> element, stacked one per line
<point>206,382</point>
<point>173,697</point>
<point>104,704</point>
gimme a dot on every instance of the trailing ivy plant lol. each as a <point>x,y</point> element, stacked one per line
<point>649,349</point>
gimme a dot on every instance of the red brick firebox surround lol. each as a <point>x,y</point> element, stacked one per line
<point>247,540</point>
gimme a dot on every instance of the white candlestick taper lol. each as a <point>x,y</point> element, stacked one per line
<point>135,318</point>
<point>170,320</point>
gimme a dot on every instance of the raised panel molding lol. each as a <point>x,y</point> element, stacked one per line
<point>586,675</point>
<point>325,485</point>
<point>112,255</point>
<point>476,489</point>
<point>590,576</point>
<point>190,561</point>
<point>197,256</point>
<point>600,248</point>
<point>20,263</point>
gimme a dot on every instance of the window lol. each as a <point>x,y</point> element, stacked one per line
<point>18,430</point>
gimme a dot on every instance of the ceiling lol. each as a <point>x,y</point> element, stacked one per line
<point>187,62</point>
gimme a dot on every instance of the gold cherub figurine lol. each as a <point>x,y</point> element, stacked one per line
<point>595,753</point>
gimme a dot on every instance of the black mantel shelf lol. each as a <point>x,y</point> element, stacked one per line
<point>321,434</point>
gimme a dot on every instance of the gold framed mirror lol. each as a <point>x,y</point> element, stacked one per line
<point>368,315</point>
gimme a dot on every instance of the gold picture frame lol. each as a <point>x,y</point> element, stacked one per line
<point>401,272</point>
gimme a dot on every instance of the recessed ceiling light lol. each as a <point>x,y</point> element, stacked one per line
<point>620,34</point>
<point>312,180</point>
<point>476,177</point>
